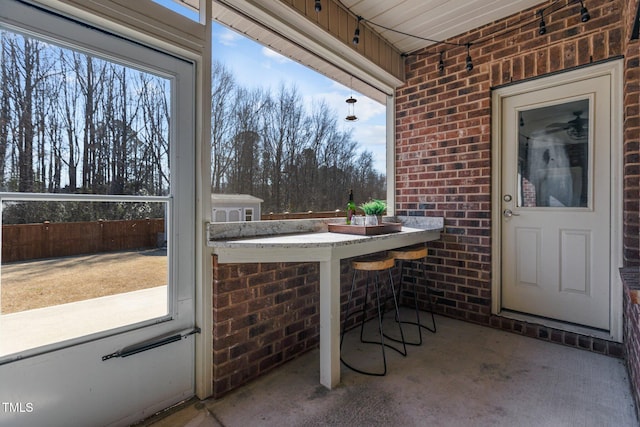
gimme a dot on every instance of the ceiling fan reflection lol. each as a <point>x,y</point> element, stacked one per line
<point>577,128</point>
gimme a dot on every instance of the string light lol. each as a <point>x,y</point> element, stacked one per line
<point>318,6</point>
<point>356,34</point>
<point>524,21</point>
<point>584,13</point>
<point>543,27</point>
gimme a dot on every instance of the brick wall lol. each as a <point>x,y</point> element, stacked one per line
<point>630,276</point>
<point>443,136</point>
<point>443,151</point>
<point>631,200</point>
<point>632,141</point>
<point>632,344</point>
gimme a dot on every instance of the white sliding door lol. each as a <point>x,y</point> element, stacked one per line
<point>97,193</point>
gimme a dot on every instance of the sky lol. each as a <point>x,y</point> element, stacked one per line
<point>254,65</point>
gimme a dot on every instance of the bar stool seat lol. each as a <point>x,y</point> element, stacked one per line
<point>375,265</point>
<point>414,253</point>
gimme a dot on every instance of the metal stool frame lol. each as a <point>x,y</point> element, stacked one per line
<point>400,255</point>
<point>348,314</point>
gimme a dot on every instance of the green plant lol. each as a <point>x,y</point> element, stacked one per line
<point>374,207</point>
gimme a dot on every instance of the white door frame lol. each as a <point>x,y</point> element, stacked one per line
<point>614,70</point>
<point>49,383</point>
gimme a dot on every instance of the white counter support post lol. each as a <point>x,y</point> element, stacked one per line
<point>330,323</point>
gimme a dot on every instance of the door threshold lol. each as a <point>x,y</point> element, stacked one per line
<point>556,324</point>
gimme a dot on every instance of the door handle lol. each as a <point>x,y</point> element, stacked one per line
<point>508,213</point>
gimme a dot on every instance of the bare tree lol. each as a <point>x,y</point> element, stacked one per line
<point>222,124</point>
<point>74,122</point>
<point>5,102</point>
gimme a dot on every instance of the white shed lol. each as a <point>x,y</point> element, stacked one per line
<point>235,207</point>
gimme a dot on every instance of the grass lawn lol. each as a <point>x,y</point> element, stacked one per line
<point>42,283</point>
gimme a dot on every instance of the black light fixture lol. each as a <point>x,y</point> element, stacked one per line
<point>469,62</point>
<point>356,34</point>
<point>318,6</point>
<point>584,13</point>
<point>543,27</point>
<point>441,62</point>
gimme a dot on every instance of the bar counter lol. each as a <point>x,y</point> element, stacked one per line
<point>310,241</point>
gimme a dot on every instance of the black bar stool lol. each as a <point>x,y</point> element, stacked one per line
<point>414,253</point>
<point>372,265</point>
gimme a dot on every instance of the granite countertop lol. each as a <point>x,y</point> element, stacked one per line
<point>310,240</point>
<point>308,232</point>
<point>313,239</point>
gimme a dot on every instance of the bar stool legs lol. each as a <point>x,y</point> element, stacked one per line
<point>414,253</point>
<point>373,266</point>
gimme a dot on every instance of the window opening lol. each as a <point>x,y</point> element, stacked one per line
<point>284,139</point>
<point>180,8</point>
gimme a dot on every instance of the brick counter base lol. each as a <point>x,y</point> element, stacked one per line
<point>263,316</point>
<point>630,278</point>
<point>266,314</point>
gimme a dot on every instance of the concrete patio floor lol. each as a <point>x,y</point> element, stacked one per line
<point>464,375</point>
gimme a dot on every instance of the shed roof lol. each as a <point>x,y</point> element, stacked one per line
<point>226,198</point>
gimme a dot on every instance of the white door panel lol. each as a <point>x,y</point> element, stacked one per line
<point>556,202</point>
<point>75,387</point>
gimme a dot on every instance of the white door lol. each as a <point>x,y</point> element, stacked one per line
<point>555,202</point>
<point>114,359</point>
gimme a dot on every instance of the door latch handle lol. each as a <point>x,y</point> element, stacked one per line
<point>508,213</point>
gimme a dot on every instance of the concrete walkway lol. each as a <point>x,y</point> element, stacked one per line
<point>465,375</point>
<point>42,326</point>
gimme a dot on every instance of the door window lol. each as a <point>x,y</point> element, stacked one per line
<point>554,155</point>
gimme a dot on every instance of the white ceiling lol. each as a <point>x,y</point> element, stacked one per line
<point>431,19</point>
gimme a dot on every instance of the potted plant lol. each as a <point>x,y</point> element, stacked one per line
<point>374,209</point>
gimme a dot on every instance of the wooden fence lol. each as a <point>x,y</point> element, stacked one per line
<point>33,241</point>
<point>304,215</point>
